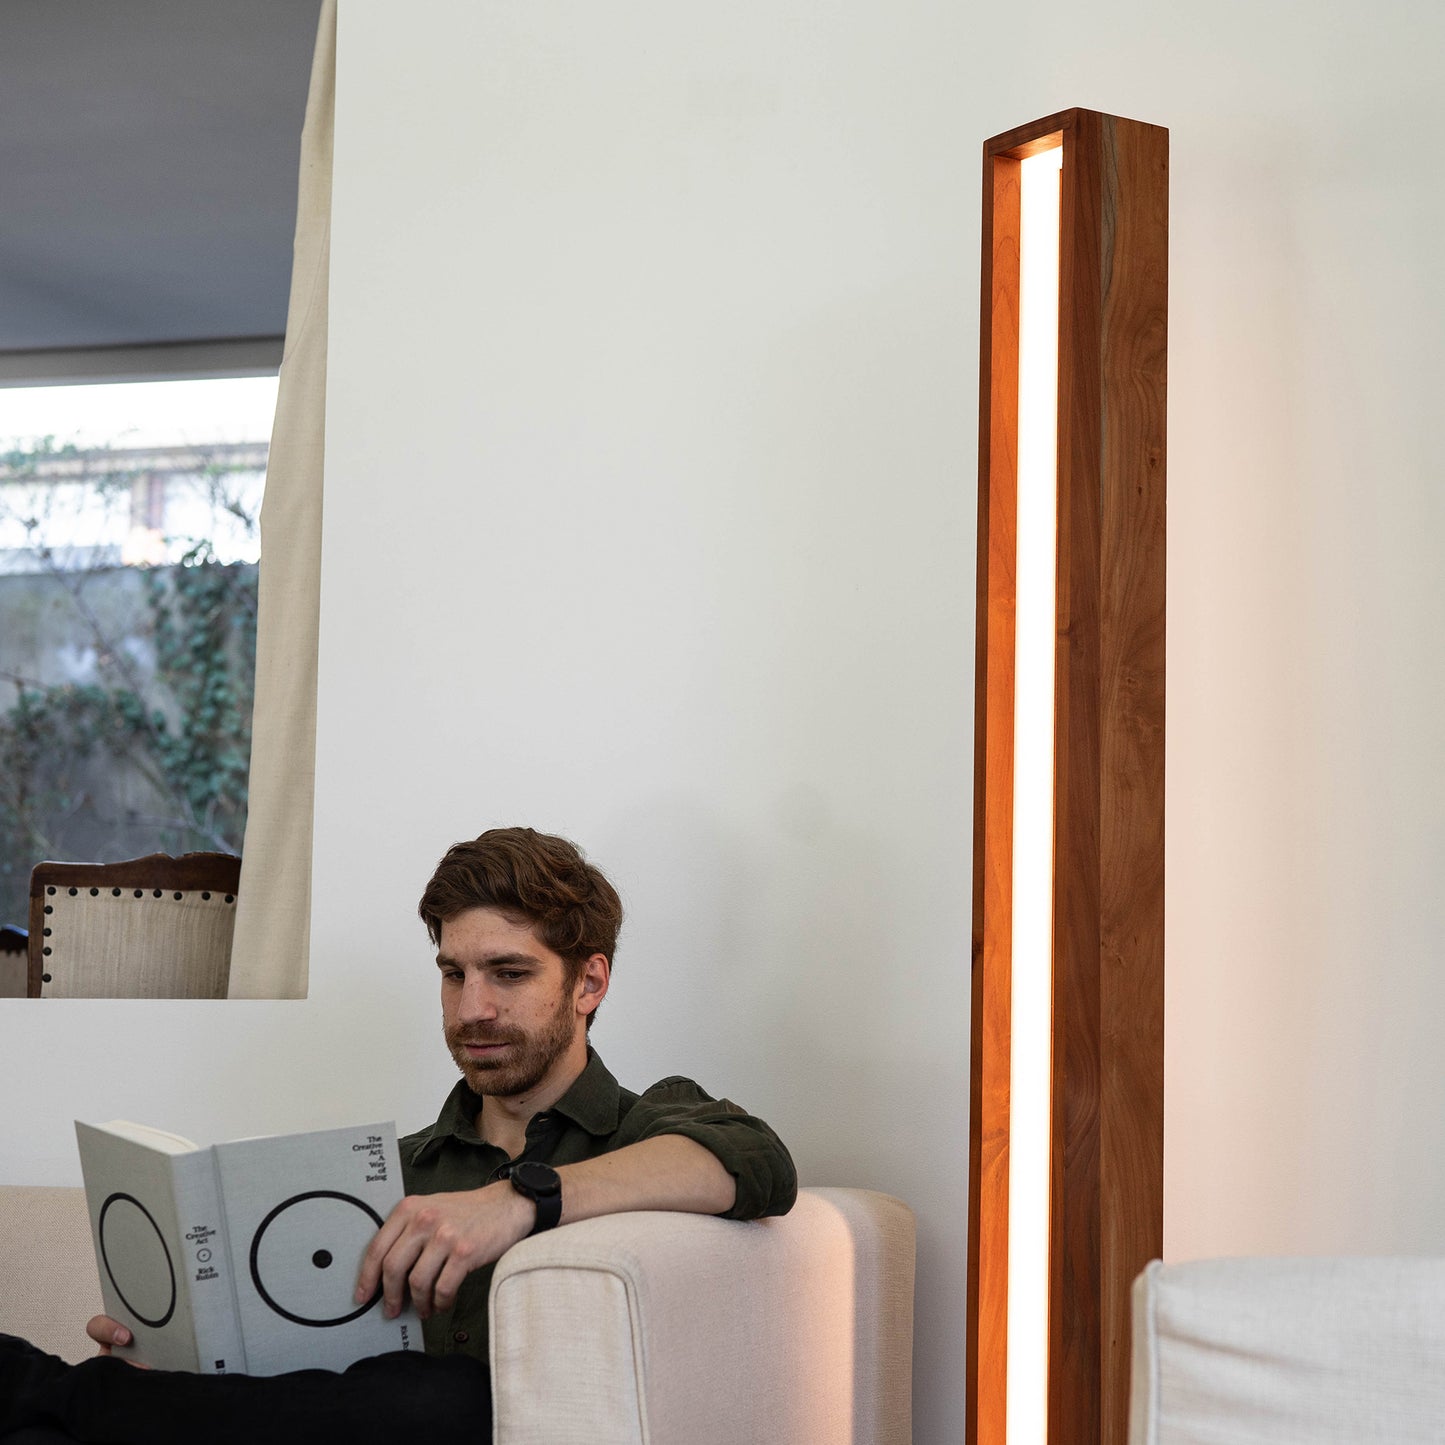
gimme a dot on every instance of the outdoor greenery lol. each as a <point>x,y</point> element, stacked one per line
<point>160,731</point>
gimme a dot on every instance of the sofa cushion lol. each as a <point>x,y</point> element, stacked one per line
<point>1330,1351</point>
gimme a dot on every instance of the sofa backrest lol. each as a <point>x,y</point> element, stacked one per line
<point>48,1284</point>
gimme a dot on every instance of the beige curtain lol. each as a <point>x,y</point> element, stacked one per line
<point>273,905</point>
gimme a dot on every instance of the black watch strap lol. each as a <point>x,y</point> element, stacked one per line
<point>543,1186</point>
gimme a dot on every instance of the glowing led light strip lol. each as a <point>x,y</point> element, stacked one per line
<point>1033,860</point>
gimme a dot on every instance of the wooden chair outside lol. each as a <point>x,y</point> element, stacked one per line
<point>153,927</point>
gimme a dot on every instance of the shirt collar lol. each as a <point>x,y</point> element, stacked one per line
<point>455,1121</point>
<point>594,1101</point>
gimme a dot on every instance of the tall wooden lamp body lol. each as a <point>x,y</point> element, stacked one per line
<point>1106,1082</point>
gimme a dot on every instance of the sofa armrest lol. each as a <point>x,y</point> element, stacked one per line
<point>676,1329</point>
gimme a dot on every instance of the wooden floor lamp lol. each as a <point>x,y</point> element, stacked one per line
<point>1066,1127</point>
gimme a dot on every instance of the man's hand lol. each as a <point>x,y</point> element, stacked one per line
<point>111,1335</point>
<point>432,1242</point>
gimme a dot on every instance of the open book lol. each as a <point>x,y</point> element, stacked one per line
<point>243,1257</point>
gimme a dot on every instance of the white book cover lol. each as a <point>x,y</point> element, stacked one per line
<point>243,1256</point>
<point>301,1210</point>
<point>158,1229</point>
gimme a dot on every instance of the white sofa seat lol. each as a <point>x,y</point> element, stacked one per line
<point>1323,1351</point>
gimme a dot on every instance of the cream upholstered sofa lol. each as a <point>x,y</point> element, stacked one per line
<point>634,1329</point>
<point>1257,1351</point>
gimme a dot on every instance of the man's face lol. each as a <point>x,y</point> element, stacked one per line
<point>511,1020</point>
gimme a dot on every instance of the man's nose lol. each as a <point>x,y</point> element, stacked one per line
<point>479,1002</point>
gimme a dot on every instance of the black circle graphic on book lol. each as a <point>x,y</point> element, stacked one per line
<point>126,1226</point>
<point>311,1230</point>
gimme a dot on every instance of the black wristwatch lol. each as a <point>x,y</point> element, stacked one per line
<point>543,1186</point>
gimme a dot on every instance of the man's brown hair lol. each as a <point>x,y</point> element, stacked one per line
<point>531,876</point>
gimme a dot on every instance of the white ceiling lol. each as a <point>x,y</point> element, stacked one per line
<point>148,153</point>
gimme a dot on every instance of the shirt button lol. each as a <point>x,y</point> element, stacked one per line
<point>461,1337</point>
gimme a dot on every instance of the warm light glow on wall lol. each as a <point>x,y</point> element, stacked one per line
<point>1033,823</point>
<point>1066,1108</point>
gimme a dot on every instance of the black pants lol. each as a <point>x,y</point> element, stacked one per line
<point>105,1401</point>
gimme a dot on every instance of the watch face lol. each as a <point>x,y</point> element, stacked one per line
<point>536,1178</point>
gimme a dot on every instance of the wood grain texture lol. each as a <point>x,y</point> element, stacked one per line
<point>1106,1188</point>
<point>34,962</point>
<point>1131,701</point>
<point>220,872</point>
<point>1108,1088</point>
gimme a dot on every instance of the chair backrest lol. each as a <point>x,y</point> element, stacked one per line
<point>154,927</point>
<point>1331,1351</point>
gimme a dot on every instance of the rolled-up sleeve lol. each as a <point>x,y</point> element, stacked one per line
<point>747,1148</point>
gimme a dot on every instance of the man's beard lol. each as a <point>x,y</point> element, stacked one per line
<point>525,1064</point>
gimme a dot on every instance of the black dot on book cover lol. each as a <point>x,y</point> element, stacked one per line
<point>326,1228</point>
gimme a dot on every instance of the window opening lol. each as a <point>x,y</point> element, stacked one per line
<point>129,547</point>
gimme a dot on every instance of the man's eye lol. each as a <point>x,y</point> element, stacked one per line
<point>511,974</point>
<point>451,976</point>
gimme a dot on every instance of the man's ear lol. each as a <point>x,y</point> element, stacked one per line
<point>593,983</point>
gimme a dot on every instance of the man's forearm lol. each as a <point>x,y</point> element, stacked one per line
<point>670,1172</point>
<point>431,1242</point>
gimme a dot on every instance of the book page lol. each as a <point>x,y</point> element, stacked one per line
<point>160,1139</point>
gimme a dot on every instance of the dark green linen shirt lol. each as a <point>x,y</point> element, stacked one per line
<point>595,1116</point>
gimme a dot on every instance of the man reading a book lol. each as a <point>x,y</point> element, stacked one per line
<point>536,1133</point>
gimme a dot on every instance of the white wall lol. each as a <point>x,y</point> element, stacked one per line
<point>652,428</point>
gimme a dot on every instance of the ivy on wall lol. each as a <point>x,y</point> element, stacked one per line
<point>204,616</point>
<point>162,741</point>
